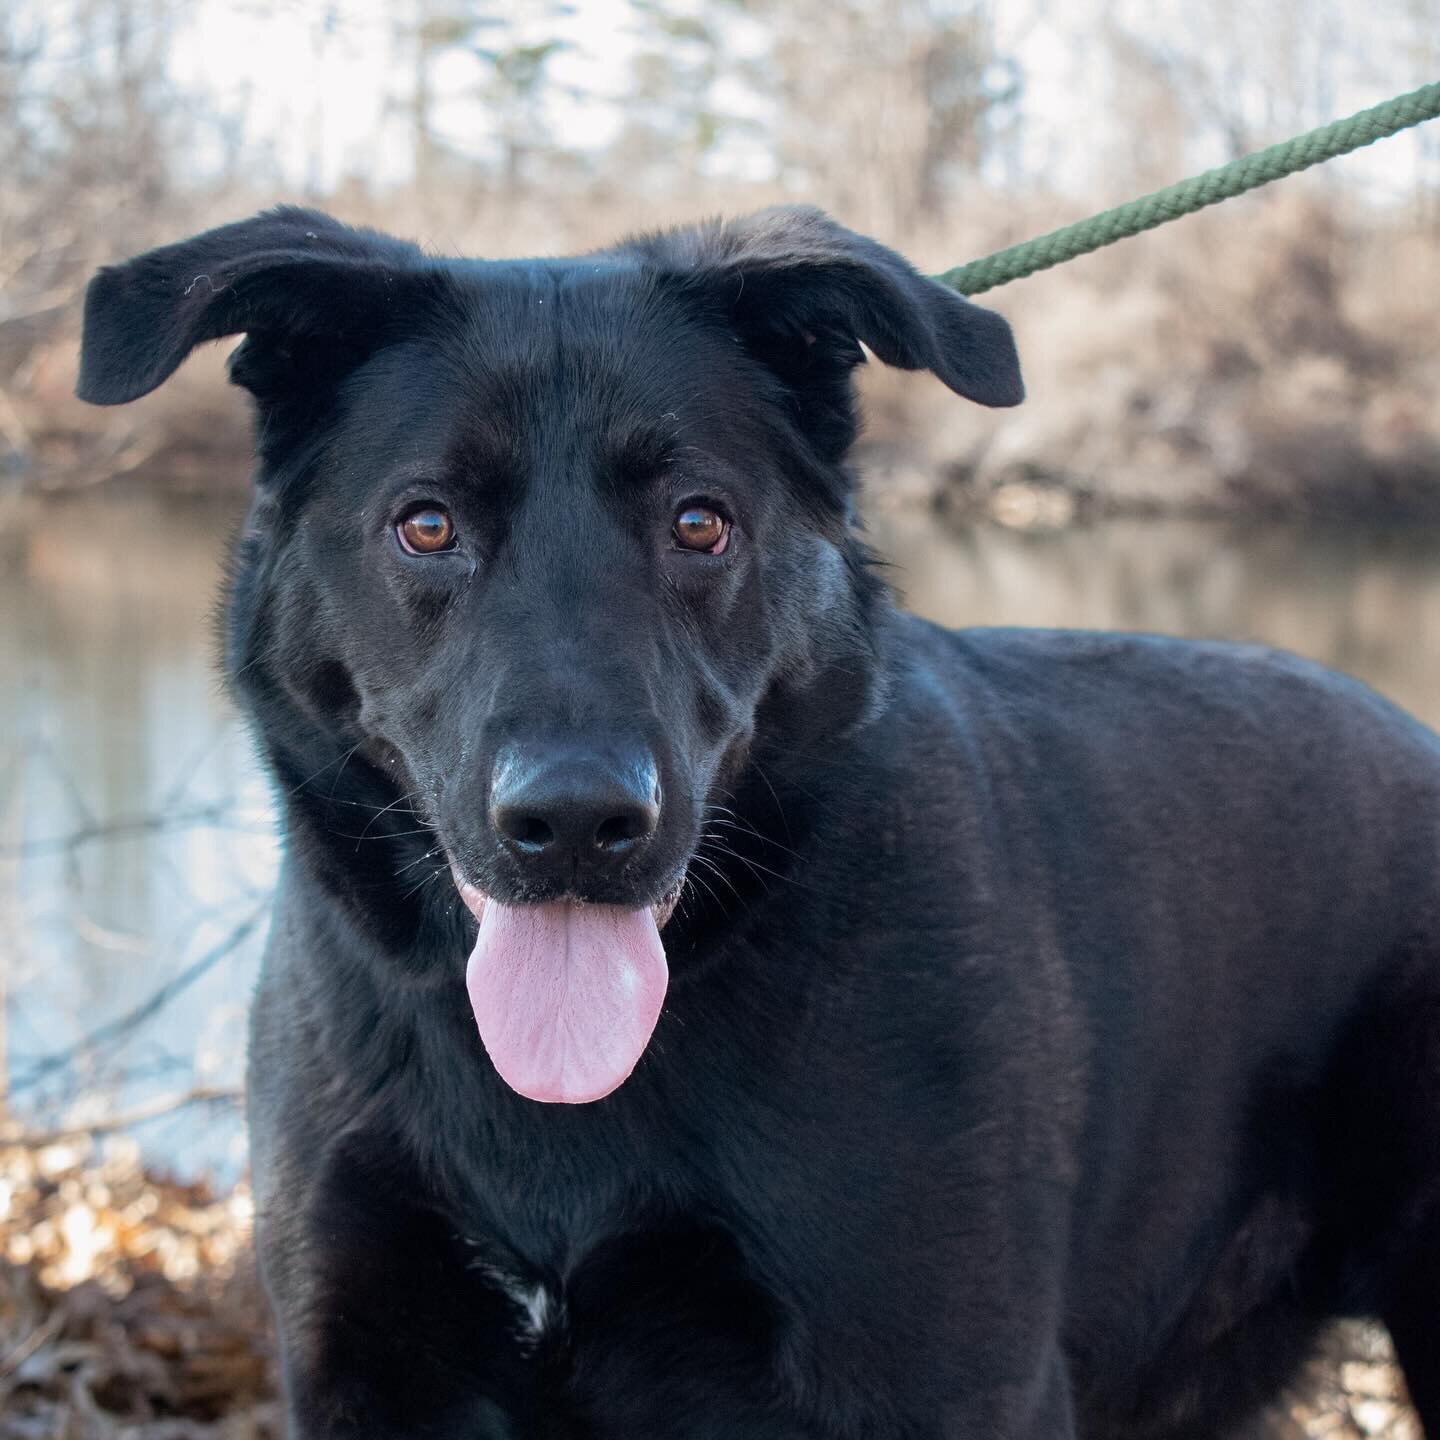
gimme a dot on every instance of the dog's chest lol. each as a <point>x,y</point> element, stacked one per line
<point>552,1185</point>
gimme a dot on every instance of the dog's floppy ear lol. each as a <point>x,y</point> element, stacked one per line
<point>802,291</point>
<point>285,277</point>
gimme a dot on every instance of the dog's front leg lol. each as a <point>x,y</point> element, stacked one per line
<point>1042,1411</point>
<point>1040,1407</point>
<point>389,1328</point>
<point>927,1339</point>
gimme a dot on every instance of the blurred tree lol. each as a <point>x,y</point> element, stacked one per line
<point>882,103</point>
<point>1423,43</point>
<point>426,38</point>
<point>672,122</point>
<point>515,88</point>
<point>512,45</point>
<point>899,115</point>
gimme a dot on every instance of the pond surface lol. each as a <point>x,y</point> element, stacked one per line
<point>136,842</point>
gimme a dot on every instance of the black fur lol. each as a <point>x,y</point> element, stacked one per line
<point>1054,1036</point>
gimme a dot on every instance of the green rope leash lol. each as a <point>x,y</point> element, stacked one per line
<point>1246,173</point>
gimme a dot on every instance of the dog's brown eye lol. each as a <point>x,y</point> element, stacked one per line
<point>697,527</point>
<point>425,530</point>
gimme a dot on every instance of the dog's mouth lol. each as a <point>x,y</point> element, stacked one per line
<point>566,994</point>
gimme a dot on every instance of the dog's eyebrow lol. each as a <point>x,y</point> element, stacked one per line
<point>417,471</point>
<point>642,447</point>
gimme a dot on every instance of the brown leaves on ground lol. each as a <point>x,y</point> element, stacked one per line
<point>128,1304</point>
<point>129,1311</point>
<point>1354,1392</point>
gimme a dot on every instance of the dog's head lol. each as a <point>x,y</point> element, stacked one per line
<point>541,552</point>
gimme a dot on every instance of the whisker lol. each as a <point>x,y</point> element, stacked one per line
<point>428,855</point>
<point>709,891</point>
<point>747,826</point>
<point>338,760</point>
<point>748,829</point>
<point>780,809</point>
<point>349,755</point>
<point>754,865</point>
<point>384,834</point>
<point>715,870</point>
<point>433,875</point>
<point>399,800</point>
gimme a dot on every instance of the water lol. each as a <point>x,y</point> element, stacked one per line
<point>136,845</point>
<point>135,837</point>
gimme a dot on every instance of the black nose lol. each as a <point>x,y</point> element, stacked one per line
<point>574,809</point>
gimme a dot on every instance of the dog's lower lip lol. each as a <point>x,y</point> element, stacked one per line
<point>476,899</point>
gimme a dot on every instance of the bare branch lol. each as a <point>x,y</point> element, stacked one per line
<point>16,1133</point>
<point>115,1032</point>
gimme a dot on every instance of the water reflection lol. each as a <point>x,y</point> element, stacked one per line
<point>1364,601</point>
<point>135,840</point>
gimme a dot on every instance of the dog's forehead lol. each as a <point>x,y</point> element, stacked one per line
<point>581,349</point>
<point>542,310</point>
<point>590,369</point>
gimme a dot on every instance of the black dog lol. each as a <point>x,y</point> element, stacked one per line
<point>1052,1035</point>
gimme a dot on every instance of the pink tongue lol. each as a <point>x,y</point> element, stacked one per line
<point>566,996</point>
